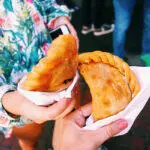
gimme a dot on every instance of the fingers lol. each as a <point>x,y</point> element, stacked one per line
<point>114,128</point>
<point>86,109</point>
<point>79,115</point>
<point>56,109</point>
<point>65,20</point>
<point>67,110</point>
<point>102,134</point>
<point>83,111</point>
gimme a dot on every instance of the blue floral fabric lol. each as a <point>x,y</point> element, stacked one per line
<point>24,40</point>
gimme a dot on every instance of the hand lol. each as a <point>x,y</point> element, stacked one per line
<point>69,134</point>
<point>64,20</point>
<point>17,104</point>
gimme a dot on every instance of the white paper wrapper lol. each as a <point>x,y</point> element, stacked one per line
<point>131,112</point>
<point>46,98</point>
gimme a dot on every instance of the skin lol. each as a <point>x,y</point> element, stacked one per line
<point>29,134</point>
<point>69,132</point>
<point>38,114</point>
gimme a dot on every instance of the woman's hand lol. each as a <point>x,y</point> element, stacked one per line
<point>17,104</point>
<point>69,134</point>
<point>65,20</point>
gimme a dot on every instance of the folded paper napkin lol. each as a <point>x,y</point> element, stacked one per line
<point>133,109</point>
<point>46,98</point>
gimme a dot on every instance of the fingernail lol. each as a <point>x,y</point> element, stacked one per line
<point>122,124</point>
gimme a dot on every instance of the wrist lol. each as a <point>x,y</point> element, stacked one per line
<point>11,102</point>
<point>16,104</point>
<point>6,109</point>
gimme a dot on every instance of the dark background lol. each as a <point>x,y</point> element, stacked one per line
<point>133,44</point>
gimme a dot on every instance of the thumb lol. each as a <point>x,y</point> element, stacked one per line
<point>102,134</point>
<point>57,109</point>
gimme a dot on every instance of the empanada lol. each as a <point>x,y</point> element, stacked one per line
<point>57,69</point>
<point>111,81</point>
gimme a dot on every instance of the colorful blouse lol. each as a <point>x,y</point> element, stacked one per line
<point>24,39</point>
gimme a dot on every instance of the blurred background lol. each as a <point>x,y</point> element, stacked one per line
<point>133,43</point>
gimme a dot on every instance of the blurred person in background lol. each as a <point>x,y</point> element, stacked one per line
<point>123,15</point>
<point>94,18</point>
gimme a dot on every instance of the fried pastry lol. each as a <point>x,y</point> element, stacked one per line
<point>111,81</point>
<point>57,69</point>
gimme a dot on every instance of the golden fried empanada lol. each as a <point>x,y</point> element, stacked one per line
<point>111,81</point>
<point>57,69</point>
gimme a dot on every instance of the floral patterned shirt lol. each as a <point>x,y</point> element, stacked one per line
<point>24,39</point>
